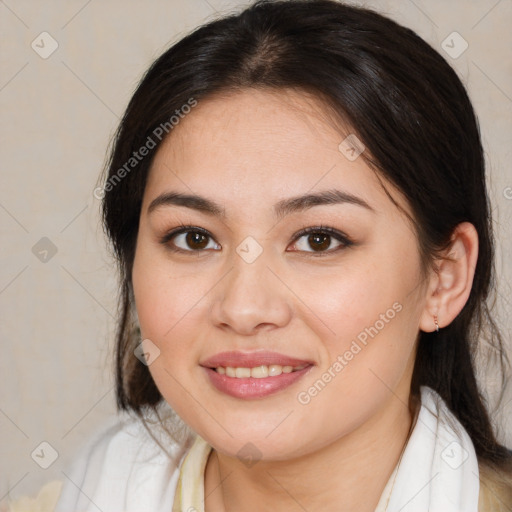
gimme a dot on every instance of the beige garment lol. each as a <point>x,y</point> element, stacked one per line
<point>189,495</point>
<point>44,502</point>
<point>495,491</point>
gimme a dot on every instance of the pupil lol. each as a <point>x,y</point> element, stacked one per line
<point>319,241</point>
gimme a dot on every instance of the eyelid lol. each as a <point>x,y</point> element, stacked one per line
<point>181,229</point>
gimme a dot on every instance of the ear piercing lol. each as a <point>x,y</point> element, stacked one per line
<point>436,323</point>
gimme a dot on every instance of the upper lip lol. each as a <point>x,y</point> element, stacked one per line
<point>236,359</point>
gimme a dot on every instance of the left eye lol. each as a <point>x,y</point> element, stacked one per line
<point>320,240</point>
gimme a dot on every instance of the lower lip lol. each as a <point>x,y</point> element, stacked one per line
<point>254,388</point>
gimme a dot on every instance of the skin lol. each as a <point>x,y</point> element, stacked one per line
<point>246,151</point>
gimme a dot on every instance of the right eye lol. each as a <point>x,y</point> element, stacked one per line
<point>188,239</point>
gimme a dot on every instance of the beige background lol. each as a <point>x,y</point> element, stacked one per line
<point>57,317</point>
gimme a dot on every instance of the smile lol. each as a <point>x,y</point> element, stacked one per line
<point>253,375</point>
<point>258,372</point>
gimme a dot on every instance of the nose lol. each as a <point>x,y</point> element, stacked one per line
<point>251,299</point>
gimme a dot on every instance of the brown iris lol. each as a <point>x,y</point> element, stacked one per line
<point>196,240</point>
<point>319,241</point>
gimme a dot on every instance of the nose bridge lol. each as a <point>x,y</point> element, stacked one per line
<point>250,266</point>
<point>250,294</point>
<point>249,280</point>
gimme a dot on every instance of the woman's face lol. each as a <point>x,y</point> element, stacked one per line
<point>243,288</point>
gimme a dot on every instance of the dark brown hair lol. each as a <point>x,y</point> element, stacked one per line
<point>404,102</point>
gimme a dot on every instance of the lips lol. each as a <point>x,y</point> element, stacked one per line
<point>228,372</point>
<point>252,359</point>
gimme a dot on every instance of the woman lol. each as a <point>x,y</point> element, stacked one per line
<point>296,197</point>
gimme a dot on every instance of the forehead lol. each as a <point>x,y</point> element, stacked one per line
<point>254,146</point>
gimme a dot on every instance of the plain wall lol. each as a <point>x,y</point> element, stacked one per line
<point>58,114</point>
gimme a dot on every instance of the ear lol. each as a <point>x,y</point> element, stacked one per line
<point>451,282</point>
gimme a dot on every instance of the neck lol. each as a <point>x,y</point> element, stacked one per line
<point>359,466</point>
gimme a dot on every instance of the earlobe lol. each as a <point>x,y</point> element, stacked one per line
<point>451,282</point>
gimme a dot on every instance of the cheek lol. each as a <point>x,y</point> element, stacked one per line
<point>372,313</point>
<point>173,306</point>
<point>170,315</point>
<point>164,295</point>
<point>170,310</point>
<point>370,355</point>
<point>361,299</point>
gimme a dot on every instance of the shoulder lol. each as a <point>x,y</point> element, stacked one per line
<point>495,490</point>
<point>124,467</point>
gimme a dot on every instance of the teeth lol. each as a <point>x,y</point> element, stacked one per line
<point>259,372</point>
<point>242,373</point>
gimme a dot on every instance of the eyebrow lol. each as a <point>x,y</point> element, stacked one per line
<point>281,208</point>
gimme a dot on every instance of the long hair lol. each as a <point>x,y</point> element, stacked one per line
<point>402,100</point>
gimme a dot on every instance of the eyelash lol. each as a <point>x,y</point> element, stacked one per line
<point>341,237</point>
